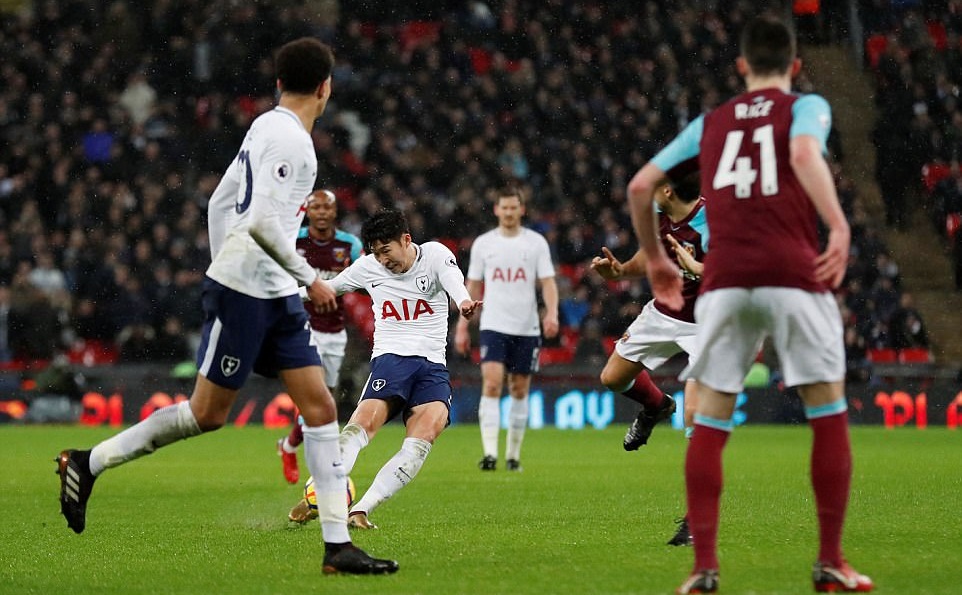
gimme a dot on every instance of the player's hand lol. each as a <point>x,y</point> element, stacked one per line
<point>831,264</point>
<point>550,326</point>
<point>665,281</point>
<point>322,296</point>
<point>608,266</point>
<point>684,257</point>
<point>470,307</point>
<point>462,339</point>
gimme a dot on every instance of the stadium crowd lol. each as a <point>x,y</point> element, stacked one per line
<point>117,119</point>
<point>915,51</point>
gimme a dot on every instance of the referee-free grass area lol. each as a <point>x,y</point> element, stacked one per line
<point>209,516</point>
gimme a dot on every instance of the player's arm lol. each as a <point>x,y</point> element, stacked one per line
<point>612,269</point>
<point>265,227</point>
<point>350,279</point>
<point>810,126</point>
<point>549,293</point>
<point>685,258</point>
<point>452,281</point>
<point>662,272</point>
<point>814,175</point>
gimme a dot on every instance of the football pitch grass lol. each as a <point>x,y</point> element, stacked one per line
<point>209,516</point>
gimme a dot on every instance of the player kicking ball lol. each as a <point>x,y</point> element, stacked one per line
<point>410,285</point>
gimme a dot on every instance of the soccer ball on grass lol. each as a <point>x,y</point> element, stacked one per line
<point>311,497</point>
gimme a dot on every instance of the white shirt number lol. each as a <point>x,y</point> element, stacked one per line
<point>738,171</point>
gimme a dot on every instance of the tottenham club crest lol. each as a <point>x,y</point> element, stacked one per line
<point>229,364</point>
<point>378,384</point>
<point>422,283</point>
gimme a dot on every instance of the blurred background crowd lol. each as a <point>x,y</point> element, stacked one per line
<point>117,119</point>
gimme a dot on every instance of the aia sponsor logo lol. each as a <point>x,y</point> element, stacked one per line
<point>405,309</point>
<point>509,275</point>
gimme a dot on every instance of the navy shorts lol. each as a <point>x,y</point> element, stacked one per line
<point>405,381</point>
<point>242,334</point>
<point>518,354</point>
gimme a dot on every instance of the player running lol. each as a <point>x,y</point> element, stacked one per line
<point>254,320</point>
<point>660,332</point>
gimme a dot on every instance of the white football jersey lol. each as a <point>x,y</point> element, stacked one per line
<point>410,309</point>
<point>271,177</point>
<point>510,267</point>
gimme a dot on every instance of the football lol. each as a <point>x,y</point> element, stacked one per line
<point>311,497</point>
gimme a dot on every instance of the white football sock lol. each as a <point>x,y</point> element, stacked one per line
<point>517,422</point>
<point>489,418</point>
<point>395,474</point>
<point>353,439</point>
<point>163,426</point>
<point>323,456</point>
<point>286,446</point>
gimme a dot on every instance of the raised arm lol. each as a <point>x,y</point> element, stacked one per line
<point>814,175</point>
<point>662,272</point>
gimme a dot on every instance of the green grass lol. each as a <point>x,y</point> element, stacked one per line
<point>209,516</point>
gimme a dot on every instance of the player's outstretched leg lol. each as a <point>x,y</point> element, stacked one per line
<point>641,428</point>
<point>702,581</point>
<point>682,534</point>
<point>350,559</point>
<point>76,482</point>
<point>839,579</point>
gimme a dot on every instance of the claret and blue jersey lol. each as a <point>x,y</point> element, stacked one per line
<point>766,233</point>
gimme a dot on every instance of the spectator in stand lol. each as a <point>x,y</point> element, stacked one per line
<point>907,329</point>
<point>560,95</point>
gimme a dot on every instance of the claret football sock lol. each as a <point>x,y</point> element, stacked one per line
<point>644,392</point>
<point>703,481</point>
<point>831,477</point>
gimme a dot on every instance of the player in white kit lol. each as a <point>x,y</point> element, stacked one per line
<point>411,286</point>
<point>509,263</point>
<point>254,318</point>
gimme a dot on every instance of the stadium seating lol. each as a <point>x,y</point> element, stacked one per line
<point>874,47</point>
<point>933,173</point>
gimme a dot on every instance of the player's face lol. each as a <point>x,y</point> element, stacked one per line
<point>509,211</point>
<point>662,195</point>
<point>322,213</point>
<point>396,255</point>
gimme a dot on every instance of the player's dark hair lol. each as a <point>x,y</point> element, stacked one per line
<point>768,45</point>
<point>302,65</point>
<point>384,226</point>
<point>688,187</point>
<point>509,192</point>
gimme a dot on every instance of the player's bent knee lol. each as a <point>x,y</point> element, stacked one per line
<point>613,381</point>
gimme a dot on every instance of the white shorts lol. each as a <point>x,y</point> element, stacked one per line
<point>331,347</point>
<point>806,331</point>
<point>653,338</point>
